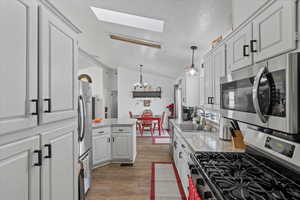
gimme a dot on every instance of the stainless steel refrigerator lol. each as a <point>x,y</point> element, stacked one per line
<point>85,135</point>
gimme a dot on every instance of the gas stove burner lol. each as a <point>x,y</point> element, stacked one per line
<point>239,176</point>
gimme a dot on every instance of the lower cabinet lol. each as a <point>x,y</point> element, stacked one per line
<point>181,160</point>
<point>19,170</point>
<point>101,148</point>
<point>59,164</point>
<point>41,167</point>
<point>121,146</point>
<point>115,144</point>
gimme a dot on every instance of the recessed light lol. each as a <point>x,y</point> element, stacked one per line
<point>128,19</point>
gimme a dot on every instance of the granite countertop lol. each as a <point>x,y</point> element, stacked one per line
<point>115,122</point>
<point>205,141</point>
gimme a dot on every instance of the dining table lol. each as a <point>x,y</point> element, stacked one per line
<point>152,118</point>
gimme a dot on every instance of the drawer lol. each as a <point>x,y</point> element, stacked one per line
<point>122,129</point>
<point>105,130</point>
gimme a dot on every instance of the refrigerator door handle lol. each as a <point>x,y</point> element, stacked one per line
<point>81,119</point>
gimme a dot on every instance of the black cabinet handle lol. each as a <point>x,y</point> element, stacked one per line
<point>36,106</point>
<point>39,153</point>
<point>49,147</point>
<point>245,47</point>
<point>212,100</point>
<point>180,155</point>
<point>183,146</point>
<point>101,132</point>
<point>108,140</point>
<point>252,42</point>
<point>175,144</point>
<point>208,100</point>
<point>49,105</point>
<point>113,139</point>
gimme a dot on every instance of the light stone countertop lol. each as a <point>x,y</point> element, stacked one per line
<point>205,141</point>
<point>115,122</point>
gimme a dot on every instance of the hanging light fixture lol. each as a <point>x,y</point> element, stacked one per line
<point>192,70</point>
<point>141,83</point>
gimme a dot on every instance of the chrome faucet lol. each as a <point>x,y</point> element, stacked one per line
<point>202,117</point>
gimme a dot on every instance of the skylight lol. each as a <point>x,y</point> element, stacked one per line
<point>128,19</point>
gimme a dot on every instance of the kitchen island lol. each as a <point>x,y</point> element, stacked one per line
<point>114,141</point>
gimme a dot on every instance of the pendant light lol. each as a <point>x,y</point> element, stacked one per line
<point>141,83</point>
<point>192,70</point>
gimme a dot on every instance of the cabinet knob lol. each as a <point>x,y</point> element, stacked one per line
<point>207,195</point>
<point>252,43</point>
<point>194,171</point>
<point>200,182</point>
<point>49,105</point>
<point>36,106</point>
<point>245,47</point>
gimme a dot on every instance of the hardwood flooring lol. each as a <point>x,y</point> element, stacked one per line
<point>113,182</point>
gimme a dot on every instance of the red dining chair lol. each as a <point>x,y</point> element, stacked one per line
<point>146,122</point>
<point>161,122</point>
<point>138,123</point>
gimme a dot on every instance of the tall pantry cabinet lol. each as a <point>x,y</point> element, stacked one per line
<point>38,103</point>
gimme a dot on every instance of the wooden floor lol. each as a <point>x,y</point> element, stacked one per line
<point>113,182</point>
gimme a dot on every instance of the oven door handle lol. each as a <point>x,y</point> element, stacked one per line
<point>255,93</point>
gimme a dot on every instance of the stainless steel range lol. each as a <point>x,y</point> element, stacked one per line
<point>268,170</point>
<point>265,95</point>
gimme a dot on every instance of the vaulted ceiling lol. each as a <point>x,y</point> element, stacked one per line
<point>187,22</point>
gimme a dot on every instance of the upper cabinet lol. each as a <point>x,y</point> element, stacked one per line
<point>219,67</point>
<point>274,30</point>
<point>238,49</point>
<point>190,90</point>
<point>38,64</point>
<point>58,66</point>
<point>18,66</point>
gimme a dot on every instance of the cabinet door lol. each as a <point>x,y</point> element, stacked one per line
<point>19,177</point>
<point>275,30</point>
<point>101,148</point>
<point>18,66</point>
<point>58,67</point>
<point>192,91</point>
<point>59,176</point>
<point>219,66</point>
<point>238,49</point>
<point>208,80</point>
<point>121,146</point>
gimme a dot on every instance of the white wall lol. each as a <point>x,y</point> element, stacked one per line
<point>96,73</point>
<point>126,79</point>
<point>243,9</point>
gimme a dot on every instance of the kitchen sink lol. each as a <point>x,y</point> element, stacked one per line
<point>190,127</point>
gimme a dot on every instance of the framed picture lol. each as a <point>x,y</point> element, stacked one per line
<point>147,103</point>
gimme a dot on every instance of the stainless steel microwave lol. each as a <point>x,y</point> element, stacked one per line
<point>264,94</point>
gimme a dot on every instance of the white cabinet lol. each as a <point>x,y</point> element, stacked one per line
<point>238,49</point>
<point>58,67</point>
<point>101,147</point>
<point>190,90</point>
<point>59,164</point>
<point>18,66</point>
<point>201,86</point>
<point>121,146</point>
<point>208,81</point>
<point>219,68</point>
<point>274,30</point>
<point>19,175</point>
